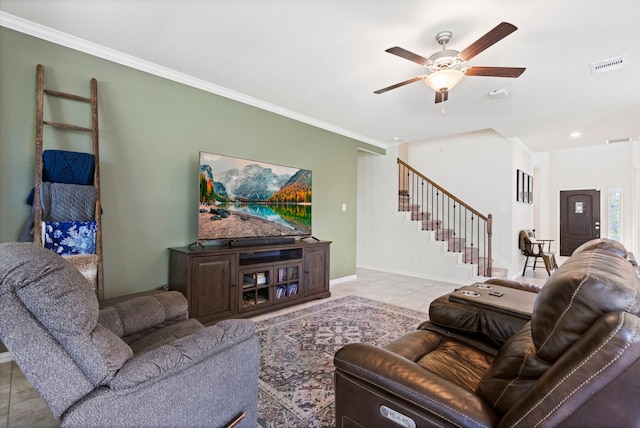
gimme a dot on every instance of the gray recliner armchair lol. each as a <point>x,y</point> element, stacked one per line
<point>139,363</point>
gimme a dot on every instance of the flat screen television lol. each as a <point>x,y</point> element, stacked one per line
<point>241,199</point>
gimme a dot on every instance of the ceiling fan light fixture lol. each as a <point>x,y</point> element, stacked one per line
<point>443,79</point>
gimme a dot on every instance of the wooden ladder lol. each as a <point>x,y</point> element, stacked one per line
<point>40,122</point>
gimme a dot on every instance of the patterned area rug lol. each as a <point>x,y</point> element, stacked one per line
<point>297,349</point>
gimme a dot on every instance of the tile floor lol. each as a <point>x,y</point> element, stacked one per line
<point>21,406</point>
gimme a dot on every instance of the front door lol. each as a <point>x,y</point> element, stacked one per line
<point>579,218</point>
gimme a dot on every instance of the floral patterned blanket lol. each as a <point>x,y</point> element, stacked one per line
<point>70,237</point>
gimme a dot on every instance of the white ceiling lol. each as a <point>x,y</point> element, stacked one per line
<point>321,60</point>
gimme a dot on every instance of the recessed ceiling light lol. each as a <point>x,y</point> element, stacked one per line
<point>575,134</point>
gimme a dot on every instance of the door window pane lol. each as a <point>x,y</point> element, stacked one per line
<point>579,208</point>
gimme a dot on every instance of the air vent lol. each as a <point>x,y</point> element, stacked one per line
<point>609,64</point>
<point>619,140</point>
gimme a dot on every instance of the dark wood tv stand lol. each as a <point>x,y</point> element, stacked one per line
<point>231,282</point>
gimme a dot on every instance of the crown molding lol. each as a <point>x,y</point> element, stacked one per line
<point>517,142</point>
<point>63,39</point>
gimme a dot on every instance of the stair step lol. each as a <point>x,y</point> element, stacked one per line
<point>444,234</point>
<point>420,215</point>
<point>456,244</point>
<point>431,224</point>
<point>470,254</point>
<point>481,261</point>
<point>408,207</point>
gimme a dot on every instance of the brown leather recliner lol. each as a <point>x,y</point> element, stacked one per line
<point>576,363</point>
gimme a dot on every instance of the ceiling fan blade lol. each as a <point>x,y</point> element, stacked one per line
<point>397,85</point>
<point>442,96</point>
<point>403,53</point>
<point>495,71</point>
<point>501,31</point>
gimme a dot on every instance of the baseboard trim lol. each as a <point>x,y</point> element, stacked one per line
<point>6,357</point>
<point>343,279</point>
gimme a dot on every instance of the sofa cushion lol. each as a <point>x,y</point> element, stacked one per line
<point>51,288</point>
<point>593,282</point>
<point>588,285</point>
<point>60,298</point>
<point>134,318</point>
<point>165,334</point>
<point>514,371</point>
<point>603,244</point>
<point>111,353</point>
<point>451,359</point>
<point>181,353</point>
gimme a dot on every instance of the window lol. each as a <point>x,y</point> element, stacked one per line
<point>615,213</point>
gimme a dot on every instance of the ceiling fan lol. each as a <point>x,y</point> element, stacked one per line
<point>447,67</point>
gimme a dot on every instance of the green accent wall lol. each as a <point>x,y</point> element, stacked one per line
<point>151,131</point>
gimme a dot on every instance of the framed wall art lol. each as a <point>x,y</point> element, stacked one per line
<point>524,187</point>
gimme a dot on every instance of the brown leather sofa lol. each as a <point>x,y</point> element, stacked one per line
<point>576,363</point>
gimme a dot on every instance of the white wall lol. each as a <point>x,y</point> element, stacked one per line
<point>478,168</point>
<point>387,240</point>
<point>598,167</point>
<point>523,217</point>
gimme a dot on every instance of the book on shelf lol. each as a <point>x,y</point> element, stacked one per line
<point>281,291</point>
<point>292,289</point>
<point>255,278</point>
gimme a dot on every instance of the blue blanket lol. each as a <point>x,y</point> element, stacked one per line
<point>62,166</point>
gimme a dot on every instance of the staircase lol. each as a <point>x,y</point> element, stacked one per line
<point>460,228</point>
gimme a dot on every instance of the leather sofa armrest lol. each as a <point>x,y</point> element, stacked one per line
<point>514,284</point>
<point>473,320</point>
<point>406,380</point>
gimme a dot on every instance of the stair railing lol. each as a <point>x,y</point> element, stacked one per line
<point>465,229</point>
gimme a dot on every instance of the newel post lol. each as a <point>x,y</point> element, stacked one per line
<point>489,234</point>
